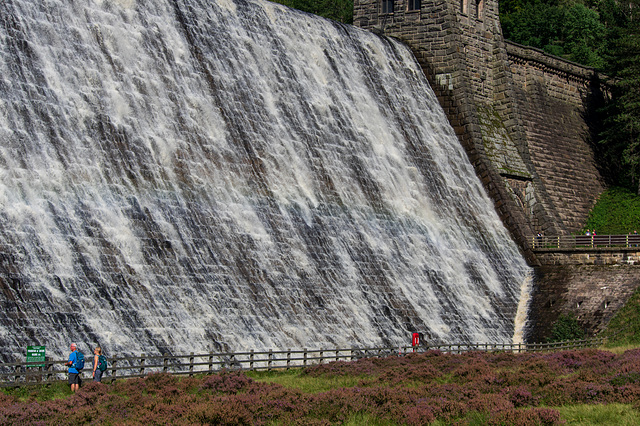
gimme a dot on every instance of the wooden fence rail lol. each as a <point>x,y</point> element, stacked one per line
<point>544,242</point>
<point>22,373</point>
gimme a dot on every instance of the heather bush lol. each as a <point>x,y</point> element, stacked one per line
<point>226,382</point>
<point>490,403</point>
<point>419,414</point>
<point>531,417</point>
<point>521,396</point>
<point>471,388</point>
<point>474,369</point>
<point>223,410</point>
<point>622,379</point>
<point>6,400</point>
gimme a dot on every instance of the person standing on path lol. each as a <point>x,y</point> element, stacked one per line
<point>74,374</point>
<point>97,372</point>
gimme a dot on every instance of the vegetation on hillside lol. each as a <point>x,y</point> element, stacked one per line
<point>488,388</point>
<point>617,212</point>
<point>624,328</point>
<point>566,328</point>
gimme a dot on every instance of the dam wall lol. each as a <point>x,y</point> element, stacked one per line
<point>523,117</point>
<point>193,175</point>
<point>521,114</point>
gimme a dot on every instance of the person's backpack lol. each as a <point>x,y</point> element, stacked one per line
<point>79,364</point>
<point>102,362</point>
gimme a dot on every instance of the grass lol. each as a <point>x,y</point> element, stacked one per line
<point>610,414</point>
<point>294,379</point>
<point>616,212</point>
<point>624,327</point>
<point>47,392</point>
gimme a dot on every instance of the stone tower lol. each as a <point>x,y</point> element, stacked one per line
<point>486,86</point>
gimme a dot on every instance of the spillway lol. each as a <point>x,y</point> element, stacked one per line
<point>192,175</point>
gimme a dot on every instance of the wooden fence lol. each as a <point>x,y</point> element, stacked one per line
<point>585,241</point>
<point>23,373</point>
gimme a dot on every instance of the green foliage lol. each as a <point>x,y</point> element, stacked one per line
<point>566,327</point>
<point>570,30</point>
<point>610,414</point>
<point>624,327</point>
<point>617,212</point>
<point>295,379</point>
<point>40,393</point>
<point>621,132</point>
<point>583,36</point>
<point>338,10</point>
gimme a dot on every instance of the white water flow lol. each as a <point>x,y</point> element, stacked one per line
<point>194,175</point>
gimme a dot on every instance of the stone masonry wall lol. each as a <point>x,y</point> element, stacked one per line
<point>553,95</point>
<point>590,284</point>
<point>593,293</point>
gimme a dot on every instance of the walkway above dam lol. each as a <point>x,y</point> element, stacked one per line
<point>546,243</point>
<point>587,249</point>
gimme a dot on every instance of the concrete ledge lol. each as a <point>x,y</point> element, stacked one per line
<point>589,256</point>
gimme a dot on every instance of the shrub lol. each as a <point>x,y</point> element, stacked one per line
<point>226,382</point>
<point>566,327</point>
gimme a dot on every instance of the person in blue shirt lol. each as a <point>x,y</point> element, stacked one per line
<point>74,375</point>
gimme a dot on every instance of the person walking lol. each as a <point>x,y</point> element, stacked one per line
<point>97,368</point>
<point>74,375</point>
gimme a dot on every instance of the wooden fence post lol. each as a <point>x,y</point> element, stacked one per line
<point>49,369</point>
<point>165,363</point>
<point>288,357</point>
<point>304,358</point>
<point>191,359</point>
<point>269,363</point>
<point>142,364</point>
<point>210,362</point>
<point>114,370</point>
<point>251,360</point>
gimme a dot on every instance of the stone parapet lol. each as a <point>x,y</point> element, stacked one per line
<point>552,64</point>
<point>604,256</point>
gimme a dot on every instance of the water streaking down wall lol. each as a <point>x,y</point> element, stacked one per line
<point>190,175</point>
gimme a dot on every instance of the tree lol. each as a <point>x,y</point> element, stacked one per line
<point>621,134</point>
<point>569,30</point>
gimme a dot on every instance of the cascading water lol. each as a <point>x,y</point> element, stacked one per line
<point>193,175</point>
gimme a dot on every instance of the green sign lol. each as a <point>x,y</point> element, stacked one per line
<point>35,355</point>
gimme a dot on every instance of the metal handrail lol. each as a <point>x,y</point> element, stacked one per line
<point>586,242</point>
